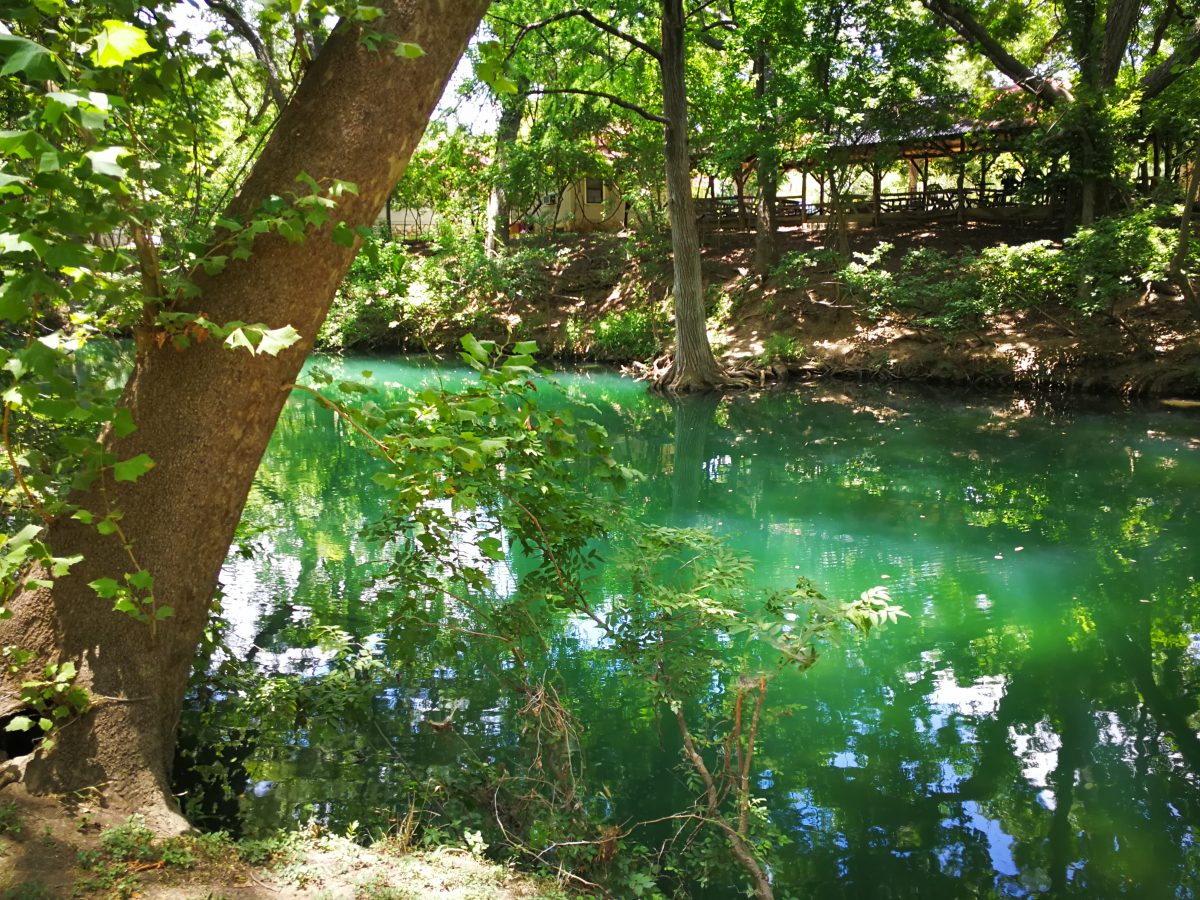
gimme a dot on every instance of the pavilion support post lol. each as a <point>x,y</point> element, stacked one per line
<point>925,185</point>
<point>876,191</point>
<point>803,197</point>
<point>962,193</point>
<point>913,174</point>
<point>821,202</point>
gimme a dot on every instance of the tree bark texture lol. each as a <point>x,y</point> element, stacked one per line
<point>512,110</point>
<point>205,415</point>
<point>766,234</point>
<point>694,367</point>
<point>1179,259</point>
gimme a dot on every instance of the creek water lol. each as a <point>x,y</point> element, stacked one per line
<point>1031,729</point>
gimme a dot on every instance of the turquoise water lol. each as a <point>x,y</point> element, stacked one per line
<point>1031,729</point>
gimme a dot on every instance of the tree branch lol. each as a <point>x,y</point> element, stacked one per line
<point>617,101</point>
<point>963,23</point>
<point>1160,30</point>
<point>239,26</point>
<point>1119,20</point>
<point>1165,73</point>
<point>587,17</point>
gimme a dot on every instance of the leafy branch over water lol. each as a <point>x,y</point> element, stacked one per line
<point>495,548</point>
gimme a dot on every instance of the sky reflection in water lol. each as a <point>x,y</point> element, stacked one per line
<point>1031,729</point>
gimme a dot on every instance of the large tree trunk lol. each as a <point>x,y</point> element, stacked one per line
<point>512,110</point>
<point>694,367</point>
<point>205,415</point>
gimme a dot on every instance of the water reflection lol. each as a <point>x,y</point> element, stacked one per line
<point>1032,729</point>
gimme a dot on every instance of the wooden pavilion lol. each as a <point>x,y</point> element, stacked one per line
<point>961,143</point>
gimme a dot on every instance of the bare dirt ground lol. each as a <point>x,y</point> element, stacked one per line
<point>1149,344</point>
<point>52,848</point>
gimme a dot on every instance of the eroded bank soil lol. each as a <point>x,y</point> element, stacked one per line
<point>1148,344</point>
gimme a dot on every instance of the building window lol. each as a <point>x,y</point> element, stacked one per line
<point>549,199</point>
<point>594,190</point>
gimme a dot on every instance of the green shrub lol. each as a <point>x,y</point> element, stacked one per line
<point>795,269</point>
<point>631,334</point>
<point>780,347</point>
<point>370,304</point>
<point>1117,256</point>
<point>1092,270</point>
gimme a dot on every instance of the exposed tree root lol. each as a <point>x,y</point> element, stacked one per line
<point>662,375</point>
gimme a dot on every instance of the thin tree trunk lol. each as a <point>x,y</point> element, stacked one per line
<point>1179,260</point>
<point>512,110</point>
<point>694,367</point>
<point>693,422</point>
<point>205,415</point>
<point>766,235</point>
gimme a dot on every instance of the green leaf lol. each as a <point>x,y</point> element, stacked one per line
<point>104,162</point>
<point>122,422</point>
<point>118,43</point>
<point>45,724</point>
<point>132,469</point>
<point>409,51</point>
<point>141,579</point>
<point>22,55</point>
<point>277,339</point>
<point>343,235</point>
<point>19,723</point>
<point>61,565</point>
<point>239,338</point>
<point>164,612</point>
<point>24,537</point>
<point>105,587</point>
<point>477,350</point>
<point>492,548</point>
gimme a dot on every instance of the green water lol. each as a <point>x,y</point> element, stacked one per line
<point>1031,729</point>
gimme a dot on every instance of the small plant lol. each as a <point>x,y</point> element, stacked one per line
<point>126,850</point>
<point>30,890</point>
<point>54,698</point>
<point>780,347</point>
<point>377,888</point>
<point>10,821</point>
<point>129,842</point>
<point>631,334</point>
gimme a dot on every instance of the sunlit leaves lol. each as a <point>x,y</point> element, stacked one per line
<point>492,68</point>
<point>118,42</point>
<point>408,51</point>
<point>259,339</point>
<point>104,162</point>
<point>51,694</point>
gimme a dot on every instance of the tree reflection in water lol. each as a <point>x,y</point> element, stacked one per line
<point>1032,729</point>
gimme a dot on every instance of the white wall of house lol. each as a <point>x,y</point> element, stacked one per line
<point>410,223</point>
<point>590,204</point>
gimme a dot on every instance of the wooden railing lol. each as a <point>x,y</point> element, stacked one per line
<point>728,212</point>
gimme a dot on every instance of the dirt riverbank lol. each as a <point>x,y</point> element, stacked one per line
<point>1148,344</point>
